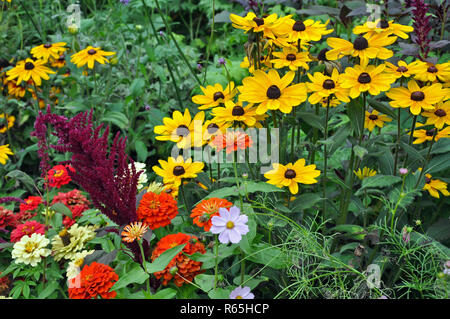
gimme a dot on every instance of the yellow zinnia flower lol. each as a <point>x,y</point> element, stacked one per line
<point>271,92</point>
<point>291,174</point>
<point>369,78</point>
<point>383,27</point>
<point>324,86</point>
<point>366,172</point>
<point>435,185</point>
<point>365,47</point>
<point>375,119</point>
<point>89,56</point>
<point>427,71</point>
<point>26,69</point>
<point>415,97</point>
<point>439,116</point>
<point>182,129</point>
<point>47,50</point>
<point>427,135</point>
<point>213,95</point>
<point>6,122</point>
<point>4,152</point>
<point>291,58</point>
<point>174,170</point>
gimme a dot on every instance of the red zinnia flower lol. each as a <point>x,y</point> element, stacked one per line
<point>77,211</point>
<point>59,176</point>
<point>206,209</point>
<point>28,228</point>
<point>231,141</point>
<point>94,280</point>
<point>7,218</point>
<point>181,269</point>
<point>32,202</point>
<point>157,210</point>
<point>5,284</point>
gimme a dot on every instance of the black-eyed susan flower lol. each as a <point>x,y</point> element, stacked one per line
<point>434,186</point>
<point>423,135</point>
<point>182,129</point>
<point>272,92</point>
<point>174,170</point>
<point>265,64</point>
<point>306,30</point>
<point>332,103</point>
<point>383,27</point>
<point>15,90</point>
<point>427,71</point>
<point>415,97</point>
<point>45,51</point>
<point>402,69</point>
<point>365,47</point>
<point>59,62</point>
<point>439,116</point>
<point>324,86</point>
<point>251,22</point>
<point>212,129</point>
<point>4,152</point>
<point>369,78</point>
<point>89,56</point>
<point>213,95</point>
<point>291,175</point>
<point>29,69</point>
<point>365,172</point>
<point>235,114</point>
<point>6,122</point>
<point>292,59</point>
<point>374,118</point>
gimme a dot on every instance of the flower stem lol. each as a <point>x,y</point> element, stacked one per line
<point>427,158</point>
<point>325,155</point>
<point>398,142</point>
<point>216,267</point>
<point>144,265</point>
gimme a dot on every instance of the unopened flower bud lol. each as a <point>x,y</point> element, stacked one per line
<point>73,29</point>
<point>403,171</point>
<point>173,270</point>
<point>138,27</point>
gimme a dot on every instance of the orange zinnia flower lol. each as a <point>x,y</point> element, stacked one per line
<point>231,141</point>
<point>134,231</point>
<point>94,280</point>
<point>181,269</point>
<point>157,210</point>
<point>206,209</point>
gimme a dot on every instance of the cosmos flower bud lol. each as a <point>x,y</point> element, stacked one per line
<point>73,29</point>
<point>403,171</point>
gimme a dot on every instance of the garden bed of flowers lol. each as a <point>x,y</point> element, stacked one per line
<point>215,149</point>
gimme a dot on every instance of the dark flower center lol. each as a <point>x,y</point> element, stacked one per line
<point>29,66</point>
<point>402,69</point>
<point>417,96</point>
<point>299,26</point>
<point>328,84</point>
<point>178,170</point>
<point>3,63</point>
<point>322,56</point>
<point>47,45</point>
<point>427,180</point>
<point>383,24</point>
<point>440,113</point>
<point>92,52</point>
<point>212,128</point>
<point>432,69</point>
<point>182,130</point>
<point>290,174</point>
<point>373,117</point>
<point>273,92</point>
<point>360,43</point>
<point>168,190</point>
<point>218,95</point>
<point>258,21</point>
<point>364,78</point>
<point>238,111</point>
<point>291,57</point>
<point>430,132</point>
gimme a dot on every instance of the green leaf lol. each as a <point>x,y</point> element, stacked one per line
<point>164,259</point>
<point>379,181</point>
<point>206,282</point>
<point>21,176</point>
<point>438,164</point>
<point>355,231</point>
<point>355,114</point>
<point>136,275</point>
<point>208,258</point>
<point>311,118</point>
<point>360,151</point>
<point>266,254</point>
<point>305,201</point>
<point>141,150</point>
<point>49,289</point>
<point>223,192</point>
<point>136,88</point>
<point>117,118</point>
<point>382,107</point>
<point>219,293</point>
<point>167,293</point>
<point>253,187</point>
<point>61,208</point>
<point>412,152</point>
<point>249,281</point>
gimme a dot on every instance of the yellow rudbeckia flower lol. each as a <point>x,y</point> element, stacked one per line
<point>434,186</point>
<point>89,56</point>
<point>174,170</point>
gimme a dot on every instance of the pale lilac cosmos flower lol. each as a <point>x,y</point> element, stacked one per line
<point>230,225</point>
<point>242,293</point>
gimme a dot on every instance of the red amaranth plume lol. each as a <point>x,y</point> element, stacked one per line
<point>99,169</point>
<point>422,27</point>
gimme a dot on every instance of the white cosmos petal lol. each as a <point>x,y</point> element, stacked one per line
<point>217,229</point>
<point>234,213</point>
<point>224,238</point>
<point>234,235</point>
<point>218,221</point>
<point>242,229</point>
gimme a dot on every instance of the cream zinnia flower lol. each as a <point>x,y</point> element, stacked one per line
<point>30,249</point>
<point>69,242</point>
<point>74,267</point>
